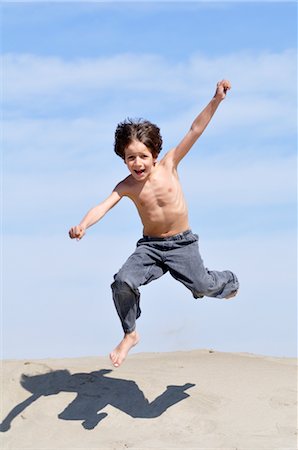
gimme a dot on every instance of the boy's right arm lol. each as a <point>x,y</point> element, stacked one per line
<point>96,213</point>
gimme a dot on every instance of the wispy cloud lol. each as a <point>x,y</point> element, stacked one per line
<point>30,74</point>
<point>86,99</point>
<point>224,181</point>
<point>52,200</point>
<point>263,83</point>
<point>63,153</point>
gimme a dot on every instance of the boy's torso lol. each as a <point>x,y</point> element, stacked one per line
<point>160,202</point>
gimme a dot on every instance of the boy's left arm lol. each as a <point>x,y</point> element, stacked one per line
<point>199,124</point>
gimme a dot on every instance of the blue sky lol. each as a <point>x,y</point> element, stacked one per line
<point>71,72</point>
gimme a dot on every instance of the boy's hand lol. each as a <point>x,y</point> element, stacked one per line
<point>77,232</point>
<point>222,88</point>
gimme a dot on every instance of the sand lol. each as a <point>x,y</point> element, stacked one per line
<point>182,400</point>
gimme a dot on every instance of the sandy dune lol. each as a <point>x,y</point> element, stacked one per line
<point>183,400</point>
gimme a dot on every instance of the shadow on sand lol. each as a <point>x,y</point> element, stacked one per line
<point>94,392</point>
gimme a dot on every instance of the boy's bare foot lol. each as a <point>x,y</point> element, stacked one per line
<point>232,294</point>
<point>119,354</point>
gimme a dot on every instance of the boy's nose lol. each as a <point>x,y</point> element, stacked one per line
<point>138,162</point>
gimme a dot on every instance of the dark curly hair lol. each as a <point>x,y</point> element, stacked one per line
<point>140,130</point>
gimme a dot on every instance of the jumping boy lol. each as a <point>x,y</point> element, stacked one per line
<point>168,244</point>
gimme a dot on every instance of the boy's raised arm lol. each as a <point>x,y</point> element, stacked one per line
<point>96,213</point>
<point>199,124</point>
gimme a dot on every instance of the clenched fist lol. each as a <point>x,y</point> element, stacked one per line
<point>77,232</point>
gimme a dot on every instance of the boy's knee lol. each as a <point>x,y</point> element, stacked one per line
<point>119,284</point>
<point>125,280</point>
<point>123,284</point>
<point>125,297</point>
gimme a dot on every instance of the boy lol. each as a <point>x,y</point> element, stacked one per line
<point>168,243</point>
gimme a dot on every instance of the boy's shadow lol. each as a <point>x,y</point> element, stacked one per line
<point>95,392</point>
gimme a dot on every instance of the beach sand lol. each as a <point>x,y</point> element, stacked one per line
<point>200,399</point>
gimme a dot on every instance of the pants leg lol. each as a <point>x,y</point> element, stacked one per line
<point>186,265</point>
<point>142,267</point>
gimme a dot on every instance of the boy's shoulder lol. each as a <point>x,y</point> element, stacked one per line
<point>125,185</point>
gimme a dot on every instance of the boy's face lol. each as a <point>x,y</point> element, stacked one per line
<point>139,160</point>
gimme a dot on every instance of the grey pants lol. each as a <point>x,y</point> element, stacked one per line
<point>154,257</point>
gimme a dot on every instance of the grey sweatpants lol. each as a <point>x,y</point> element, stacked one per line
<point>154,257</point>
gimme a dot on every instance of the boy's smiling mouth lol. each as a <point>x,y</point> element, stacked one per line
<point>139,172</point>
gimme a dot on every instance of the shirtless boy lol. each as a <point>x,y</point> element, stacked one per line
<point>168,243</point>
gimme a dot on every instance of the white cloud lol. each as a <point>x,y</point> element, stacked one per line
<point>226,180</point>
<point>57,143</point>
<point>263,84</point>
<point>218,181</point>
<point>249,71</point>
<point>27,74</point>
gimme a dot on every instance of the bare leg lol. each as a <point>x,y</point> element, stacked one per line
<point>119,354</point>
<point>231,295</point>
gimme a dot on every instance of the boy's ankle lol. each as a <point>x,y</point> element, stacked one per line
<point>133,336</point>
<point>131,333</point>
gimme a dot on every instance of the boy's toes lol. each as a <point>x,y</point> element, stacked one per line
<point>114,359</point>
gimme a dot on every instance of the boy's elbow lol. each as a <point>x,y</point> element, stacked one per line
<point>196,130</point>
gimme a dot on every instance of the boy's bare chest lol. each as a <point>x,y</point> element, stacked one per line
<point>158,192</point>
